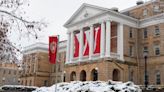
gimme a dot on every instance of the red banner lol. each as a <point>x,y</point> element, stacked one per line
<point>97,35</point>
<point>76,45</point>
<point>53,44</point>
<point>86,43</point>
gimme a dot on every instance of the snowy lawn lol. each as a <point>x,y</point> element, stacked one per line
<point>91,86</point>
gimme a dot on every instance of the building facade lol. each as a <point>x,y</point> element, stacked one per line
<point>35,66</point>
<point>9,74</point>
<point>108,44</point>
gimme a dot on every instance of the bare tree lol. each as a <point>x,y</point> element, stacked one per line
<point>12,19</point>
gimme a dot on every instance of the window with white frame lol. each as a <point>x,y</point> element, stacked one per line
<point>145,33</point>
<point>130,33</point>
<point>157,50</point>
<point>156,9</point>
<point>157,31</point>
<point>158,78</point>
<point>145,11</point>
<point>145,49</point>
<point>131,51</point>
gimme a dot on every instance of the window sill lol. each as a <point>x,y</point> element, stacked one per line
<point>156,36</point>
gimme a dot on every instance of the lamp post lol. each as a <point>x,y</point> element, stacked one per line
<point>64,72</point>
<point>96,74</point>
<point>145,54</point>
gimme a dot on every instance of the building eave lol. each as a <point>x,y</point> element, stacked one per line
<point>135,7</point>
<point>81,7</point>
<point>109,12</point>
<point>154,20</point>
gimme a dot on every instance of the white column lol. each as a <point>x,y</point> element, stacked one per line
<point>68,47</point>
<point>102,51</point>
<point>81,44</point>
<point>120,41</point>
<point>72,46</point>
<point>91,42</point>
<point>108,38</point>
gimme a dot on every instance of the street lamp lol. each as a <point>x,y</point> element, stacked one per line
<point>145,54</point>
<point>96,68</point>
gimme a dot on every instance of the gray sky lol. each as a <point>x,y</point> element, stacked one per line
<point>57,12</point>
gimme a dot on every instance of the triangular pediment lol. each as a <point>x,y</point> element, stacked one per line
<point>84,12</point>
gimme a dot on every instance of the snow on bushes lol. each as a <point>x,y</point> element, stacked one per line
<point>91,86</point>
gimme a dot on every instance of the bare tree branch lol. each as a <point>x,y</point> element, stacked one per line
<point>10,21</point>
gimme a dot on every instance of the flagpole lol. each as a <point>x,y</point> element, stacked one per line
<point>56,65</point>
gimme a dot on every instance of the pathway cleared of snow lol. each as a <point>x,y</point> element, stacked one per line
<point>91,86</point>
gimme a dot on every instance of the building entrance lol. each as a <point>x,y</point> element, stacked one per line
<point>83,75</point>
<point>94,75</point>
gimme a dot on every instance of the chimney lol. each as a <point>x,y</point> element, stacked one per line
<point>139,2</point>
<point>114,9</point>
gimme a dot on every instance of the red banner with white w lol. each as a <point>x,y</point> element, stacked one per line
<point>86,38</point>
<point>53,44</point>
<point>97,36</point>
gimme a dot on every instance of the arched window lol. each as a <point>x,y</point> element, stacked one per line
<point>158,78</point>
<point>73,76</point>
<point>116,75</point>
<point>83,75</point>
<point>94,75</point>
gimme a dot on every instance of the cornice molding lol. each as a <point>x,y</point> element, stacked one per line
<point>42,47</point>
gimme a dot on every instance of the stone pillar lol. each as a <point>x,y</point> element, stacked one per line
<point>81,45</point>
<point>91,42</point>
<point>102,51</point>
<point>68,47</point>
<point>108,38</point>
<point>120,41</point>
<point>72,46</point>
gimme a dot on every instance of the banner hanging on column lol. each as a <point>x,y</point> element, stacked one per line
<point>53,44</point>
<point>76,45</point>
<point>86,43</point>
<point>97,36</point>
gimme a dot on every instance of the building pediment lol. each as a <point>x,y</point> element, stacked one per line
<point>84,12</point>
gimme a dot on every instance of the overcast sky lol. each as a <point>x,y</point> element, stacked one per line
<point>57,12</point>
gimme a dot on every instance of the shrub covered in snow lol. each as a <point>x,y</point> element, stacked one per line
<point>91,86</point>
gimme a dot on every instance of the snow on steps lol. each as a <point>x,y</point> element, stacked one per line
<point>91,86</point>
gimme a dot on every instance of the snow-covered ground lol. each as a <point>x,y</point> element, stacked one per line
<point>91,86</point>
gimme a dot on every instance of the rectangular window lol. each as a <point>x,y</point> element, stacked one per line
<point>59,68</point>
<point>130,33</point>
<point>158,79</point>
<point>145,33</point>
<point>156,9</point>
<point>157,50</point>
<point>14,72</point>
<point>9,72</point>
<point>54,68</point>
<point>145,12</point>
<point>145,49</point>
<point>131,51</point>
<point>157,31</point>
<point>4,72</point>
